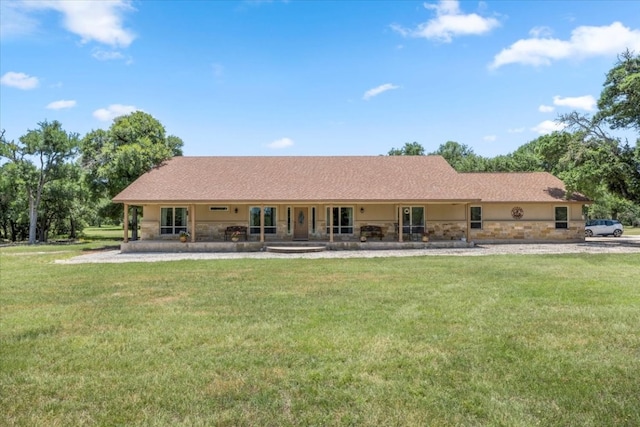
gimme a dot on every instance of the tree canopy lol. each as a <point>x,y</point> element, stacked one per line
<point>409,149</point>
<point>619,102</point>
<point>133,145</point>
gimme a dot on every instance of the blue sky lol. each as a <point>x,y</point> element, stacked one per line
<point>311,77</point>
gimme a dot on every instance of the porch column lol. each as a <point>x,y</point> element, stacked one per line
<point>126,223</point>
<point>330,223</point>
<point>261,223</point>
<point>400,228</point>
<point>467,217</point>
<point>192,217</point>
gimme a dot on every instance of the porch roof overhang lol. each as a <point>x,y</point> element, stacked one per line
<point>336,179</point>
<point>354,179</point>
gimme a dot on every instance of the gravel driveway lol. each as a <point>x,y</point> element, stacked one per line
<point>594,245</point>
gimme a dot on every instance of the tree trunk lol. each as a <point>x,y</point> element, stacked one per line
<point>72,225</point>
<point>33,219</point>
<point>14,231</point>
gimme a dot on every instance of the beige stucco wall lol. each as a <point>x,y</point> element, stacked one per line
<point>532,211</point>
<point>444,221</point>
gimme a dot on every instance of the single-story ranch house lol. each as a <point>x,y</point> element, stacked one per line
<point>343,200</point>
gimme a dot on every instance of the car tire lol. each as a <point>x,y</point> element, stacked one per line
<point>617,233</point>
<point>588,233</point>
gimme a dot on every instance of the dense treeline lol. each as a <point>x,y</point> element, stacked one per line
<point>585,155</point>
<point>54,183</point>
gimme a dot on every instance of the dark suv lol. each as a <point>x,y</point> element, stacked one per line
<point>603,227</point>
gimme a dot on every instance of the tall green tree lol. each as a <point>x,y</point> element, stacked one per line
<point>134,144</point>
<point>41,157</point>
<point>461,157</point>
<point>619,101</point>
<point>409,149</point>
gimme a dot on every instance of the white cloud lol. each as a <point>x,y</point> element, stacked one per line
<point>586,102</point>
<point>548,126</point>
<point>516,130</point>
<point>448,23</point>
<point>99,21</point>
<point>14,21</point>
<point>106,55</point>
<point>584,42</point>
<point>113,111</point>
<point>489,138</point>
<point>538,32</point>
<point>59,105</point>
<point>378,90</point>
<point>19,80</point>
<point>280,143</point>
<point>546,108</point>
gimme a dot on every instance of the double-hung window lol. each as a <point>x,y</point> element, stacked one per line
<point>562,217</point>
<point>476,217</point>
<point>173,220</point>
<point>342,220</point>
<point>270,220</point>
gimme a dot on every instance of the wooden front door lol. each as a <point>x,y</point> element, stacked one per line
<point>301,224</point>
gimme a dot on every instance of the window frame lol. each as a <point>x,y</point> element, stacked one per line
<point>475,224</point>
<point>254,226</point>
<point>340,228</point>
<point>173,229</point>
<point>412,227</point>
<point>561,224</point>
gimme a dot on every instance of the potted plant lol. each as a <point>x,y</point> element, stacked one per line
<point>184,236</point>
<point>235,236</point>
<point>425,236</point>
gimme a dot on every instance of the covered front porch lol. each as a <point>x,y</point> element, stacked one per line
<point>328,224</point>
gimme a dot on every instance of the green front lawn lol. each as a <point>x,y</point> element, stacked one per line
<point>502,340</point>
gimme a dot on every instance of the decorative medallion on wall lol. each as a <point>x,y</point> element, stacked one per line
<point>517,212</point>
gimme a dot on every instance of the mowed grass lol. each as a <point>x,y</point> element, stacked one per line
<point>631,231</point>
<point>502,340</point>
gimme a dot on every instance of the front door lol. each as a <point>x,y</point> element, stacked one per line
<point>300,224</point>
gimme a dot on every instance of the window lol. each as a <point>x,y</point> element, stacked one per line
<point>289,220</point>
<point>476,216</point>
<point>219,208</point>
<point>412,220</point>
<point>313,219</point>
<point>342,220</point>
<point>270,220</point>
<point>562,217</point>
<point>173,220</point>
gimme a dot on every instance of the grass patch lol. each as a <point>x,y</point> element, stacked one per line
<point>503,340</point>
<point>104,233</point>
<point>632,231</point>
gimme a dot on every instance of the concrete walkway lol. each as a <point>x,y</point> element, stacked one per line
<point>593,245</point>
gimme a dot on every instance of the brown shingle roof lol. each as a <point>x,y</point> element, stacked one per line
<point>520,187</point>
<point>330,179</point>
<point>314,178</point>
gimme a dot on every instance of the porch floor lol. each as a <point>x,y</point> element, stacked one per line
<point>281,246</point>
